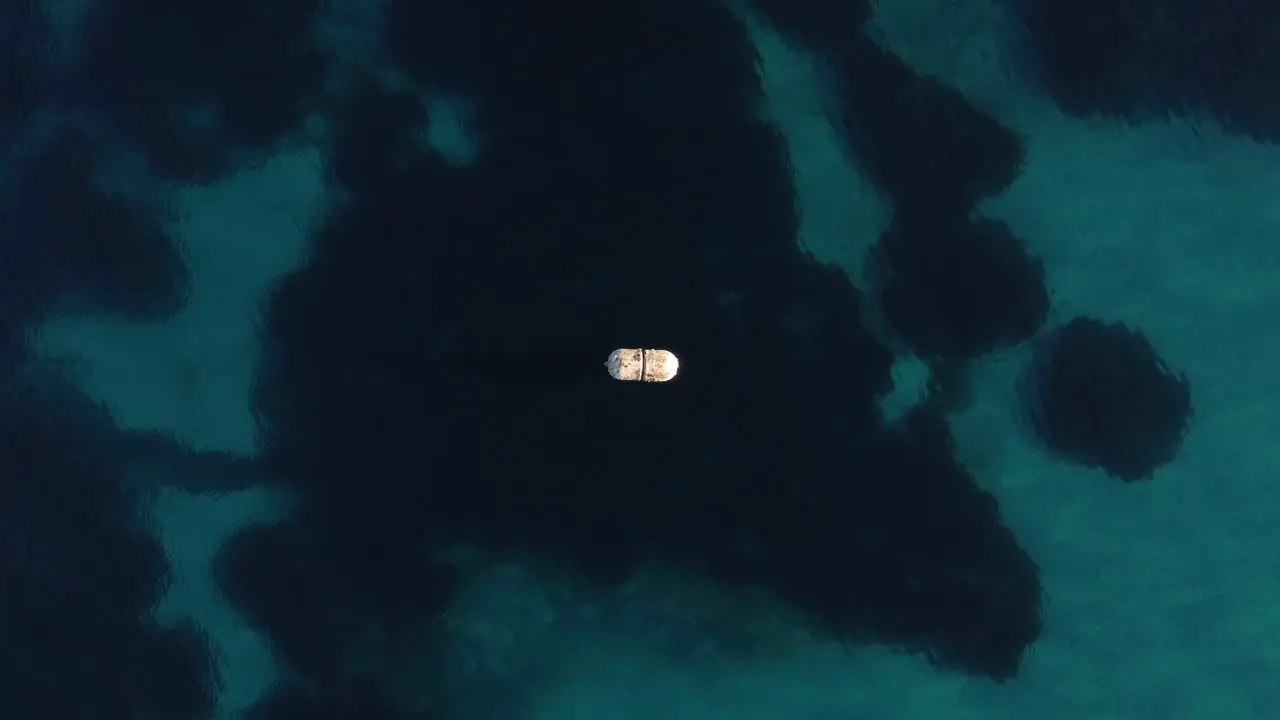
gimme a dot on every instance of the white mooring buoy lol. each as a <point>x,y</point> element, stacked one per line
<point>645,365</point>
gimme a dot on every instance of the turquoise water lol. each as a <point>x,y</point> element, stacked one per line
<point>1159,598</point>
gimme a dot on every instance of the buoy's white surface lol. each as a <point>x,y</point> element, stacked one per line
<point>644,365</point>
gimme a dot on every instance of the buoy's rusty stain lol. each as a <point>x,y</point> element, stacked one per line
<point>644,365</point>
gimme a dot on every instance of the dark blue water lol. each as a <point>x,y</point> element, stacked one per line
<point>502,193</point>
